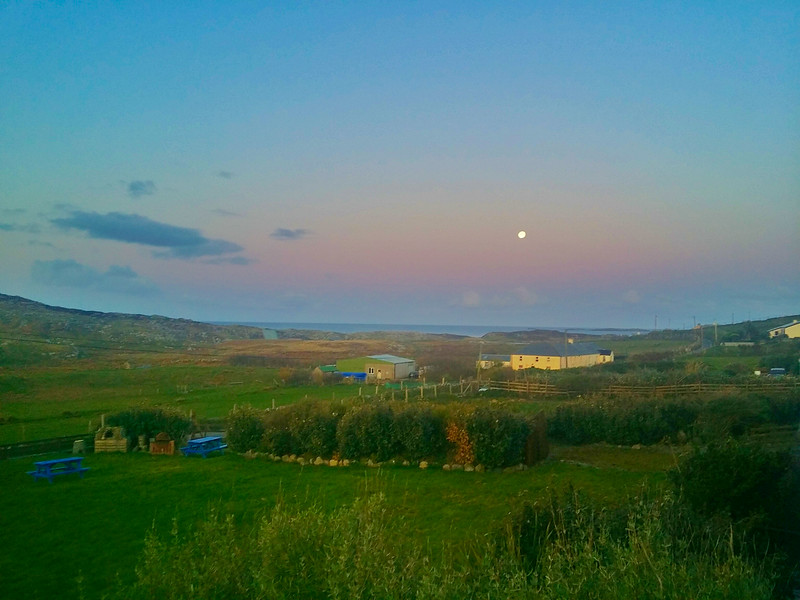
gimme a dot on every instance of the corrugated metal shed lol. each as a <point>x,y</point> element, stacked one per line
<point>391,358</point>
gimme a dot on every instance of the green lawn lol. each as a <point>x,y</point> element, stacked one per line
<point>93,528</point>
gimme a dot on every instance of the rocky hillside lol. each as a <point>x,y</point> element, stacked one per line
<point>23,318</point>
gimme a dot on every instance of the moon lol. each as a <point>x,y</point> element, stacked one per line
<point>521,235</point>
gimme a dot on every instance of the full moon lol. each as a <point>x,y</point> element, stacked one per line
<point>521,234</point>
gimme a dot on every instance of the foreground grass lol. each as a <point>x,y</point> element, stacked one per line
<point>84,536</point>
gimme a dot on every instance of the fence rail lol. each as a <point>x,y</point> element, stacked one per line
<point>528,387</point>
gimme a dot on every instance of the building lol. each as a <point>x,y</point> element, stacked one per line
<point>488,361</point>
<point>379,367</point>
<point>790,330</point>
<point>548,356</point>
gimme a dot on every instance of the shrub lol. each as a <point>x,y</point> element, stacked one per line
<point>462,446</point>
<point>245,428</point>
<point>419,431</point>
<point>313,426</point>
<point>277,436</point>
<point>737,480</point>
<point>149,422</point>
<point>367,431</point>
<point>498,436</point>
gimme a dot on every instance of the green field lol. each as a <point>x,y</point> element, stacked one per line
<point>47,403</point>
<point>84,536</point>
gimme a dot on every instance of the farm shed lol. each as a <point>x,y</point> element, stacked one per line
<point>548,356</point>
<point>378,367</point>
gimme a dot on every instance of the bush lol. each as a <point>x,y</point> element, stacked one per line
<point>622,422</point>
<point>367,431</point>
<point>245,428</point>
<point>149,422</point>
<point>313,427</point>
<point>419,431</point>
<point>277,437</point>
<point>737,481</point>
<point>498,436</point>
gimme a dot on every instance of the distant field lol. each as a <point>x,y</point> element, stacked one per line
<point>53,402</point>
<point>93,529</point>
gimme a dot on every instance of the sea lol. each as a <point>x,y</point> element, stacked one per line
<point>465,330</point>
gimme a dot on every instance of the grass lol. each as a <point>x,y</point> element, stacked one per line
<point>57,401</point>
<point>94,528</point>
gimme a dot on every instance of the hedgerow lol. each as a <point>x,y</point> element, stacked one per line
<point>627,421</point>
<point>492,436</point>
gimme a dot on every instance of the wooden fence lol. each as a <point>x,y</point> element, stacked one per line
<point>532,388</point>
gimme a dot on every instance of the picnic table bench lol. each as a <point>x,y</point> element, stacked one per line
<point>47,469</point>
<point>204,446</point>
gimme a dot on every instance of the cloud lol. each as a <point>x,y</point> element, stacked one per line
<point>632,297</point>
<point>288,234</point>
<point>470,299</point>
<point>225,174</point>
<point>181,242</point>
<point>14,211</point>
<point>519,296</point>
<point>137,189</point>
<point>225,213</point>
<point>30,228</point>
<point>70,273</point>
<point>230,260</point>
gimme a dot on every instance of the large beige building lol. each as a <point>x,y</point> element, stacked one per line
<point>549,356</point>
<point>791,330</point>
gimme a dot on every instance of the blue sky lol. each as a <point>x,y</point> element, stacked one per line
<point>373,162</point>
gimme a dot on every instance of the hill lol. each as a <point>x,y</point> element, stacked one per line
<point>23,318</point>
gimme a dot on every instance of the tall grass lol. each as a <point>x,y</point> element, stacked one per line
<point>358,551</point>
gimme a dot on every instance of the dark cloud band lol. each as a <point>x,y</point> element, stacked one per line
<point>288,234</point>
<point>181,242</point>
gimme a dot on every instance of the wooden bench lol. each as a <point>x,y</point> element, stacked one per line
<point>47,469</point>
<point>204,446</point>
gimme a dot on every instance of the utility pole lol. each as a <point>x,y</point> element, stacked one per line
<point>480,358</point>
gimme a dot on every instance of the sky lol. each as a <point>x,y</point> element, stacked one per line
<point>373,162</point>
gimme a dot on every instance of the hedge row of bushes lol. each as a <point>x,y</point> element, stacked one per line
<point>495,436</point>
<point>631,422</point>
<point>150,422</point>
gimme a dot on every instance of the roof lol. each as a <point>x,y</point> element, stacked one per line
<point>548,349</point>
<point>795,322</point>
<point>327,368</point>
<point>391,358</point>
<point>503,357</point>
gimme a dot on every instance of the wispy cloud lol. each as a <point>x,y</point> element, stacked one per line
<point>181,242</point>
<point>225,213</point>
<point>632,297</point>
<point>289,234</point>
<point>225,174</point>
<point>138,188</point>
<point>72,274</point>
<point>230,260</point>
<point>30,228</point>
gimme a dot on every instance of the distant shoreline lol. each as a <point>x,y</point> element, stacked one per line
<point>465,330</point>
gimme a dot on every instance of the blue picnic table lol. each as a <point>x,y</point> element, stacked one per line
<point>47,469</point>
<point>204,446</point>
